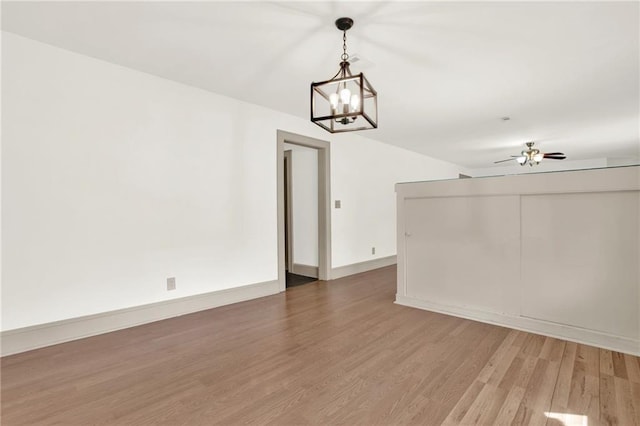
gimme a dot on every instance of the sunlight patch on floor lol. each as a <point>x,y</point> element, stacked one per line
<point>569,419</point>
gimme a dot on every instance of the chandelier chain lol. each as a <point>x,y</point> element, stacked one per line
<point>344,55</point>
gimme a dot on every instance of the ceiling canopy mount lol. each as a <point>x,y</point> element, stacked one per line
<point>344,24</point>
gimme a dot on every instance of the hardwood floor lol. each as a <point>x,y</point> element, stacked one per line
<point>323,353</point>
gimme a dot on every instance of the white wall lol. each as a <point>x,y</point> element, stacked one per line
<point>304,202</point>
<point>114,180</point>
<point>368,213</point>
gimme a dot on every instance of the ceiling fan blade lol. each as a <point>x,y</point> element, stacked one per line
<point>555,157</point>
<point>553,153</point>
<point>502,161</point>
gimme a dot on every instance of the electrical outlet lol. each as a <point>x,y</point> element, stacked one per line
<point>338,204</point>
<point>373,250</point>
<point>171,283</point>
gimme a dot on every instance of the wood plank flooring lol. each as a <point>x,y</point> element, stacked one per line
<point>338,352</point>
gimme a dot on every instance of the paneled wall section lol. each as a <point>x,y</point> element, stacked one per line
<point>553,253</point>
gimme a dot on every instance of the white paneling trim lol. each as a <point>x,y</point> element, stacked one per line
<point>560,331</point>
<point>305,270</point>
<point>365,266</point>
<point>596,180</point>
<point>33,337</point>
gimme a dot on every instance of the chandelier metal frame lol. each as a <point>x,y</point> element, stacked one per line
<point>338,103</point>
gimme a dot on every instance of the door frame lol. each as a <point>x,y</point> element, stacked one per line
<point>324,202</point>
<point>288,211</point>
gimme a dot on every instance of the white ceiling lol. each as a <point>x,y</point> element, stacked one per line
<point>566,73</point>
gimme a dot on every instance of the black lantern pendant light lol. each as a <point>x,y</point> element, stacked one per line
<point>346,102</point>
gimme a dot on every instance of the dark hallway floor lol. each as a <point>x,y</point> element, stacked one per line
<point>294,280</point>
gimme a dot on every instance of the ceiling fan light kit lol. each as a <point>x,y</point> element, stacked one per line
<point>532,156</point>
<point>346,102</point>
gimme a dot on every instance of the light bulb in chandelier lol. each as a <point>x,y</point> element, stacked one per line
<point>345,96</point>
<point>355,102</point>
<point>334,99</point>
<point>345,100</point>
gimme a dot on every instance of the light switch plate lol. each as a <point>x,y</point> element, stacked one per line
<point>338,204</point>
<point>171,283</point>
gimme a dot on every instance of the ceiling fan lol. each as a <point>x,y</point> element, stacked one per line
<point>533,156</point>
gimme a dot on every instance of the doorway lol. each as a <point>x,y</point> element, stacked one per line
<point>286,217</point>
<point>301,203</point>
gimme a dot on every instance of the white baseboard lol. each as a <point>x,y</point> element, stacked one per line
<point>305,270</point>
<point>37,336</point>
<point>356,268</point>
<point>546,328</point>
